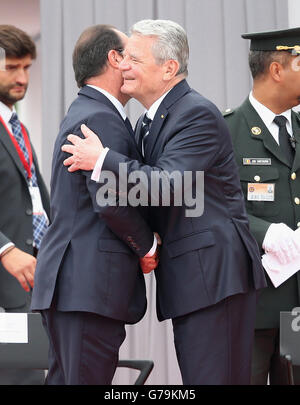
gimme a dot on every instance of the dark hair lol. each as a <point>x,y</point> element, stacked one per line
<point>16,43</point>
<point>91,50</point>
<point>259,61</point>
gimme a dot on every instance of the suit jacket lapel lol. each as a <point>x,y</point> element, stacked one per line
<point>161,115</point>
<point>158,121</point>
<point>9,146</point>
<point>259,131</point>
<point>296,133</point>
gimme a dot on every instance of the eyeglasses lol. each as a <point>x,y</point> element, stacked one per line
<point>119,50</point>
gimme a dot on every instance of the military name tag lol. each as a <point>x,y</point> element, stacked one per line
<point>256,162</point>
<point>261,192</point>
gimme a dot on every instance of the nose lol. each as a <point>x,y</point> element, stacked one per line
<point>22,76</point>
<point>124,64</point>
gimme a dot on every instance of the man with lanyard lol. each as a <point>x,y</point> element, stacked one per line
<point>24,197</point>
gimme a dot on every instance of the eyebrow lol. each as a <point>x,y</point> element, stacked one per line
<point>8,65</point>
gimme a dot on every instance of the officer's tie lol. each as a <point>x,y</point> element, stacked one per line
<point>145,128</point>
<point>39,222</point>
<point>284,138</point>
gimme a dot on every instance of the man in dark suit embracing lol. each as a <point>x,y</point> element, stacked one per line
<point>88,282</point>
<point>210,267</point>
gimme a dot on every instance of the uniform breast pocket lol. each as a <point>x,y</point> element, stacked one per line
<point>259,188</point>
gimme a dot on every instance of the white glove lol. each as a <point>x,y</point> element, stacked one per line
<point>283,242</point>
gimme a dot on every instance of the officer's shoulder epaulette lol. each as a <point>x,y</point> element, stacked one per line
<point>227,112</point>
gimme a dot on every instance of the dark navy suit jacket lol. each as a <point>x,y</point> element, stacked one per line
<point>90,255</point>
<point>16,214</point>
<point>207,258</point>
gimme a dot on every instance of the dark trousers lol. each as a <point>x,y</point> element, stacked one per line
<point>266,360</point>
<point>214,344</point>
<point>84,347</point>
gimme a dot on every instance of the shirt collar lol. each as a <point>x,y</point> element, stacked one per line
<point>113,99</point>
<point>6,112</point>
<point>266,114</point>
<point>152,110</point>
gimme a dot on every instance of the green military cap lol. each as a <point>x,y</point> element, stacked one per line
<point>279,40</point>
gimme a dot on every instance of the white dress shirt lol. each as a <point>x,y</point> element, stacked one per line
<point>268,118</point>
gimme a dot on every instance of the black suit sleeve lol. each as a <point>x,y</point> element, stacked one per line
<point>3,240</point>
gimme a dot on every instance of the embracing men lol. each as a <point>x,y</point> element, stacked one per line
<point>210,268</point>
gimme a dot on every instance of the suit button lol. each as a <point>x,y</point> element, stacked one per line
<point>293,176</point>
<point>257,178</point>
<point>298,224</point>
<point>29,211</point>
<point>29,242</point>
<point>297,201</point>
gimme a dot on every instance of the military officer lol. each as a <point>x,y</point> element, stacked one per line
<point>266,138</point>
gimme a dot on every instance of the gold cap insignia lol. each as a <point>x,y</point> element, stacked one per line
<point>295,49</point>
<point>256,130</point>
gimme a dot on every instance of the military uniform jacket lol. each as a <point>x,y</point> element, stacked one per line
<point>260,160</point>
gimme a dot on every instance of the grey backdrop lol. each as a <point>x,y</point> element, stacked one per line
<point>218,69</point>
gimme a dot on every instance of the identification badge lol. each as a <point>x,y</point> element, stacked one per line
<point>261,192</point>
<point>256,162</point>
<point>37,206</point>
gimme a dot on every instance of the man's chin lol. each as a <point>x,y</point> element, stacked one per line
<point>17,95</point>
<point>11,99</point>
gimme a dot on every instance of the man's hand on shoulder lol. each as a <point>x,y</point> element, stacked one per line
<point>85,152</point>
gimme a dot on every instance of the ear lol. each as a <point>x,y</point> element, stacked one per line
<point>114,58</point>
<point>276,71</point>
<point>171,68</point>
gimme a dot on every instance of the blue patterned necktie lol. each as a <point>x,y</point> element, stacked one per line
<point>39,222</point>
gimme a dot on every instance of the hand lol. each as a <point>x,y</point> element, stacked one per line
<point>85,152</point>
<point>281,241</point>
<point>21,265</point>
<point>150,263</point>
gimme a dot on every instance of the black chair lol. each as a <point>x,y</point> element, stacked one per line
<point>290,341</point>
<point>145,367</point>
<point>34,354</point>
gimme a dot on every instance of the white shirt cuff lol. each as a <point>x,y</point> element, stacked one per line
<point>98,167</point>
<point>5,247</point>
<point>153,249</point>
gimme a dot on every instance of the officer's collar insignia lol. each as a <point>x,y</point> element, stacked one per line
<point>256,130</point>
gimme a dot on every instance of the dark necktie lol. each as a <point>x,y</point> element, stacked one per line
<point>39,222</point>
<point>145,128</point>
<point>284,138</point>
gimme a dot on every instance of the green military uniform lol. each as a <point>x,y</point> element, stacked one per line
<point>269,170</point>
<point>260,160</point>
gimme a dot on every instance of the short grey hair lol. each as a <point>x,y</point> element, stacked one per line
<point>172,42</point>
